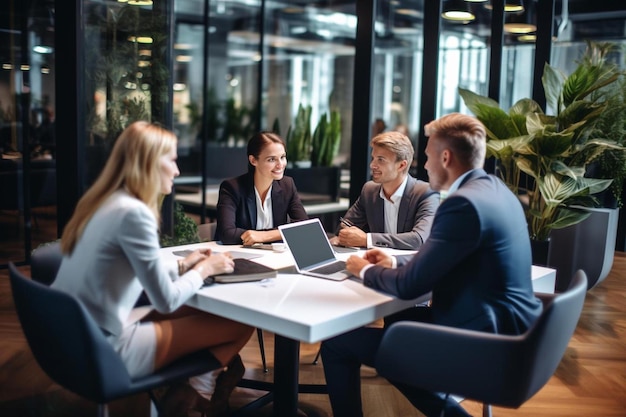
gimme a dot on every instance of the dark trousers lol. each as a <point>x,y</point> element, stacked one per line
<point>343,355</point>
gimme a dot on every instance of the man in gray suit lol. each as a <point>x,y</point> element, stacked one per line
<point>394,209</point>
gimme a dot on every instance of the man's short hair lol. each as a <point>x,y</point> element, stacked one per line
<point>464,135</point>
<point>396,142</point>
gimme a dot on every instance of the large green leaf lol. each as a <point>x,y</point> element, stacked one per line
<point>567,216</point>
<point>472,99</point>
<point>497,122</point>
<point>552,81</point>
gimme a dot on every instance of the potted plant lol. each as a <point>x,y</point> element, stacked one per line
<point>313,154</point>
<point>185,229</point>
<point>544,158</point>
<point>299,137</point>
<point>326,139</point>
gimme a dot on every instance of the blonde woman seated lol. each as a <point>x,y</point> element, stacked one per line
<point>251,207</point>
<point>111,254</point>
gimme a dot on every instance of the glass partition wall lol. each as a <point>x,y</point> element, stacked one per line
<point>28,140</point>
<point>216,71</point>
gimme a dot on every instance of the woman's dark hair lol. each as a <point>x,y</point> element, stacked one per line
<point>258,142</point>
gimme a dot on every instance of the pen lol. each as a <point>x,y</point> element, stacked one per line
<point>345,222</point>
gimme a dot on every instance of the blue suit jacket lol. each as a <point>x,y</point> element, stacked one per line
<point>476,262</point>
<point>236,206</point>
<point>415,214</point>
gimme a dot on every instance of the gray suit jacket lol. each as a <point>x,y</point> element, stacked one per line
<point>415,215</point>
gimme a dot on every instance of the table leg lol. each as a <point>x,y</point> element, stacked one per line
<point>286,362</point>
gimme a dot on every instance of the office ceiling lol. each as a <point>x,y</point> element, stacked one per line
<point>397,19</point>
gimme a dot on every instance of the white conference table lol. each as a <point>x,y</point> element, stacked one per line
<point>297,308</point>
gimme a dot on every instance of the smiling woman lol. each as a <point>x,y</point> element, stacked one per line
<point>251,206</point>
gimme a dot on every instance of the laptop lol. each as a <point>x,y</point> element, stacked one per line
<point>312,250</point>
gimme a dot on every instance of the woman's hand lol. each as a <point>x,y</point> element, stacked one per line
<point>250,237</point>
<point>215,264</point>
<point>196,256</point>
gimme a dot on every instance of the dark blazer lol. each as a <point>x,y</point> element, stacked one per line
<point>476,262</point>
<point>236,206</point>
<point>415,214</point>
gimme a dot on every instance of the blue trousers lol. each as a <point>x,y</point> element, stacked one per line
<point>343,356</point>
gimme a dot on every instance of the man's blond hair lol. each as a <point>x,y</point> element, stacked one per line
<point>396,142</point>
<point>464,135</point>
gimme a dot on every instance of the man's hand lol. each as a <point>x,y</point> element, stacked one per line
<point>354,264</point>
<point>378,257</point>
<point>352,236</point>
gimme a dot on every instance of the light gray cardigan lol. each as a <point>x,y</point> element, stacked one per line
<point>116,257</point>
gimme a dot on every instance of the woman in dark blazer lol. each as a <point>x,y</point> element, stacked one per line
<point>251,207</point>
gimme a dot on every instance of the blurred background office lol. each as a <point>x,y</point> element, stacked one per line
<point>74,73</point>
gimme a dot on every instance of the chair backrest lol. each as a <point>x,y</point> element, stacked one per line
<point>45,262</point>
<point>206,231</point>
<point>66,342</point>
<point>494,369</point>
<point>547,341</point>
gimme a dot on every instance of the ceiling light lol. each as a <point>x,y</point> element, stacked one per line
<point>43,49</point>
<point>457,11</point>
<point>140,39</point>
<point>527,38</point>
<point>519,28</point>
<point>410,13</point>
<point>140,2</point>
<point>511,6</point>
<point>183,46</point>
<point>521,23</point>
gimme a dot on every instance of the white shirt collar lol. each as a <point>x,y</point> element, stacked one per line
<point>397,195</point>
<point>455,185</point>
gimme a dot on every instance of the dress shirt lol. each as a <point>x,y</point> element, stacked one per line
<point>264,219</point>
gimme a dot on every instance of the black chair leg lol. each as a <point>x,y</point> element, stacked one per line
<point>103,410</point>
<point>317,356</point>
<point>259,334</point>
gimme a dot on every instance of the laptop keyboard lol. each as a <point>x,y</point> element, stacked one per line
<point>330,268</point>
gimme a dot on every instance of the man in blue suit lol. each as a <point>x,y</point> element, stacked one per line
<point>476,262</point>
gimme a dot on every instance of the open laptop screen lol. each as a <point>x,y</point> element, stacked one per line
<point>308,243</point>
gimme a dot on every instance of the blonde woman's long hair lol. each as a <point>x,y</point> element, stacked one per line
<point>134,165</point>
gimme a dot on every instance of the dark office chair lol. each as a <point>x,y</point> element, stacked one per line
<point>73,351</point>
<point>45,262</point>
<point>494,369</point>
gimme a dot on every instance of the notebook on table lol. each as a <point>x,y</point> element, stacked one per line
<point>245,271</point>
<point>312,251</point>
